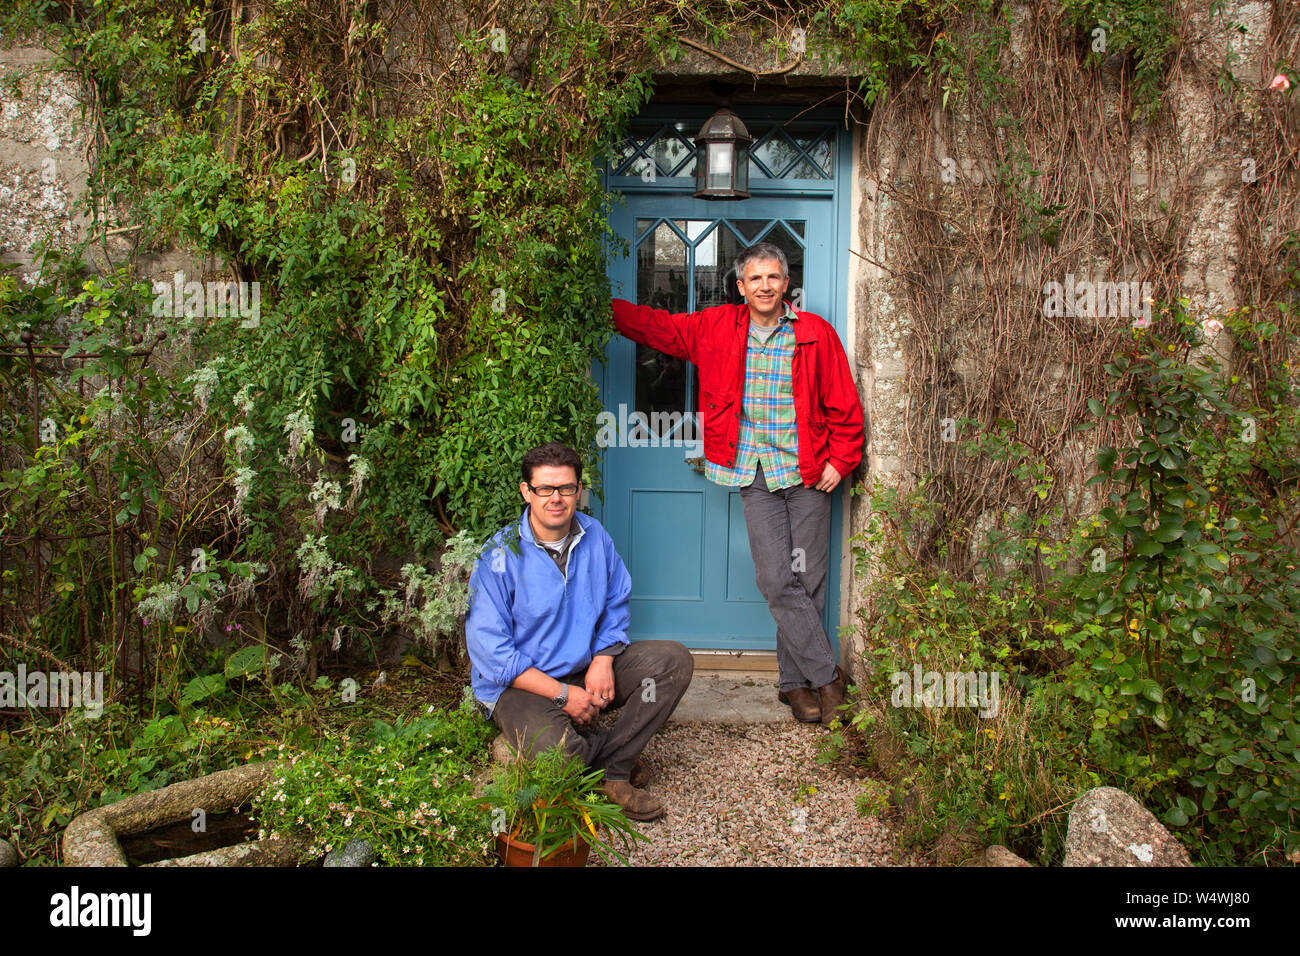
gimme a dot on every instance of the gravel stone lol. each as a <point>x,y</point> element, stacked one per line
<point>754,795</point>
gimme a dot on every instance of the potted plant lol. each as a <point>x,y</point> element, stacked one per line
<point>549,811</point>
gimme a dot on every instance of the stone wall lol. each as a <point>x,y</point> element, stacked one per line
<point>43,143</point>
<point>1186,147</point>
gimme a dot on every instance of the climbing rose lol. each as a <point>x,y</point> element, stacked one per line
<point>1212,328</point>
<point>1280,82</point>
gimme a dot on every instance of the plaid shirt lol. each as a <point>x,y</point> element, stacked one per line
<point>767,422</point>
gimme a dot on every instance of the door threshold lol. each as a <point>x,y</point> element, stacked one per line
<point>754,662</point>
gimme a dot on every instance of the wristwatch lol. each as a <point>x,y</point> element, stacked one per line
<point>563,697</point>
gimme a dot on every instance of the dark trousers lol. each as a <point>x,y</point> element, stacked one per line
<point>650,678</point>
<point>789,533</point>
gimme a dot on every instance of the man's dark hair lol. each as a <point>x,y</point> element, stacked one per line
<point>553,453</point>
<point>761,250</point>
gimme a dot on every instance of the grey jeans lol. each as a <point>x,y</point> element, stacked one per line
<point>650,678</point>
<point>789,534</point>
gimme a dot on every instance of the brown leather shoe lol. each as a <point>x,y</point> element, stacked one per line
<point>803,704</point>
<point>636,803</point>
<point>832,696</point>
<point>640,774</point>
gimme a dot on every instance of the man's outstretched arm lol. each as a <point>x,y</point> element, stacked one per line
<point>671,332</point>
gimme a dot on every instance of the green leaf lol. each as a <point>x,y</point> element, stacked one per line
<point>246,661</point>
<point>1171,531</point>
<point>201,688</point>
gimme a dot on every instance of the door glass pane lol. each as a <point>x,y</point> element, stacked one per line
<point>669,153</point>
<point>797,150</point>
<point>783,239</point>
<point>751,229</point>
<point>776,153</point>
<point>625,149</point>
<point>715,279</point>
<point>661,283</point>
<point>821,154</point>
<point>805,170</point>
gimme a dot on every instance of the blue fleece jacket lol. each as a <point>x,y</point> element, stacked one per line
<point>525,613</point>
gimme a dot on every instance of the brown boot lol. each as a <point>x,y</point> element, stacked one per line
<point>803,704</point>
<point>636,803</point>
<point>832,696</point>
<point>640,774</point>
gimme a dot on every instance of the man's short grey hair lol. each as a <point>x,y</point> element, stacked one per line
<point>761,250</point>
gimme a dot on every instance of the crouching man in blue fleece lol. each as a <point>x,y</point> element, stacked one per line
<point>547,636</point>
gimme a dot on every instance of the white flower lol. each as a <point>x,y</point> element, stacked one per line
<point>325,496</point>
<point>241,438</point>
<point>360,472</point>
<point>205,380</point>
<point>243,483</point>
<point>243,401</point>
<point>298,427</point>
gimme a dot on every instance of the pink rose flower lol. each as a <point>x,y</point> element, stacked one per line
<point>1212,328</point>
<point>1280,82</point>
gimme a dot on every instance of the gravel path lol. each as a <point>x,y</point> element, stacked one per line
<point>754,795</point>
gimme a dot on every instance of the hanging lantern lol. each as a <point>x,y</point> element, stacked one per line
<point>722,158</point>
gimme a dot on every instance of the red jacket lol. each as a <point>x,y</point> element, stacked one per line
<point>826,406</point>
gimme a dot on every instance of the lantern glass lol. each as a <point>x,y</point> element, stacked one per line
<point>719,159</point>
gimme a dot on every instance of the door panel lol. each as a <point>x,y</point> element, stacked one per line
<point>683,537</point>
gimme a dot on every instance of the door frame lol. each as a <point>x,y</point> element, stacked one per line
<point>839,190</point>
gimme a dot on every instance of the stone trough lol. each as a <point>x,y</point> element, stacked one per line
<point>92,838</point>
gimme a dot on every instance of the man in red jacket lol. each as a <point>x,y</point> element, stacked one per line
<point>782,422</point>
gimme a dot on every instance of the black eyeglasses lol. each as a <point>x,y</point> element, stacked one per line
<point>545,491</point>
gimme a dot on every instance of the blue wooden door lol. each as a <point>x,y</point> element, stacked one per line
<point>683,537</point>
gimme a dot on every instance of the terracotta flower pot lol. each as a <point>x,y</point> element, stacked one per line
<point>516,853</point>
